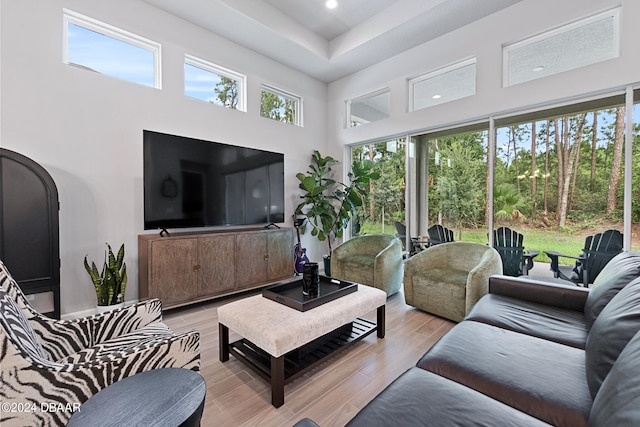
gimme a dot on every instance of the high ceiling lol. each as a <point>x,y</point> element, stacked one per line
<point>331,43</point>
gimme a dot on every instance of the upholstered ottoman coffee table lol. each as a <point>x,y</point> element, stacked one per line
<point>280,343</point>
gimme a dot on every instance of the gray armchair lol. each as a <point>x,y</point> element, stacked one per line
<point>373,260</point>
<point>448,279</point>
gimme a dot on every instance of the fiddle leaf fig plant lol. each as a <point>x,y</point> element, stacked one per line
<point>327,203</point>
<point>111,282</point>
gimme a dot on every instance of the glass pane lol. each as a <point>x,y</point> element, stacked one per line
<point>578,45</point>
<point>558,181</point>
<point>452,185</point>
<point>210,87</point>
<point>385,200</point>
<point>278,107</point>
<point>110,56</point>
<point>370,108</point>
<point>444,87</point>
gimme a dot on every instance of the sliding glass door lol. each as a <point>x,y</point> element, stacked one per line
<point>555,175</point>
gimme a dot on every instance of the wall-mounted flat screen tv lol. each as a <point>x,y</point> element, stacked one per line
<point>194,183</point>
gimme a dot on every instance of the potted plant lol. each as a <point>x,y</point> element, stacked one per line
<point>327,204</point>
<point>111,282</point>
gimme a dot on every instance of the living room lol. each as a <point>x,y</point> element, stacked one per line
<point>86,128</point>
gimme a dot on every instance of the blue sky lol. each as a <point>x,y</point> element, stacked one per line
<point>199,83</point>
<point>126,61</point>
<point>110,56</point>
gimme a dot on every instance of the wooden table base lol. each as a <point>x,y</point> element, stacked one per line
<point>279,371</point>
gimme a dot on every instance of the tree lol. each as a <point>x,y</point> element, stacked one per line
<point>534,169</point>
<point>562,151</point>
<point>594,146</point>
<point>570,155</point>
<point>546,168</point>
<point>226,93</point>
<point>385,193</point>
<point>276,107</point>
<point>508,202</point>
<point>616,162</point>
<point>372,205</point>
<point>460,185</point>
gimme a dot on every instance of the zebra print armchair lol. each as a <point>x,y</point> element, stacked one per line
<point>49,367</point>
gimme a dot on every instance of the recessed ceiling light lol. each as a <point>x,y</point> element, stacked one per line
<point>538,68</point>
<point>436,96</point>
<point>331,4</point>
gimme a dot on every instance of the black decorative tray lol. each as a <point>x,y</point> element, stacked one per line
<point>290,294</point>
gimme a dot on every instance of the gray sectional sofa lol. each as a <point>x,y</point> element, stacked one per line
<point>529,353</point>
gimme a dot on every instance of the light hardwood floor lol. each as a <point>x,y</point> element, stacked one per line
<point>332,393</point>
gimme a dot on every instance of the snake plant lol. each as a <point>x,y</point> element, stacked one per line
<point>111,282</point>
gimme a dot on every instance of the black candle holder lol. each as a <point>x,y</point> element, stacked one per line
<point>310,279</point>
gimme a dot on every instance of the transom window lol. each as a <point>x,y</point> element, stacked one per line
<point>369,108</point>
<point>277,104</point>
<point>213,83</point>
<point>572,46</point>
<point>447,84</point>
<point>103,48</point>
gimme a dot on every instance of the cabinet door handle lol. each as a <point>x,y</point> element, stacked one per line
<point>266,257</point>
<point>197,267</point>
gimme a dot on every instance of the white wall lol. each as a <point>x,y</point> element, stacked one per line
<point>484,40</point>
<point>86,128</point>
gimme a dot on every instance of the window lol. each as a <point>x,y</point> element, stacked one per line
<point>211,83</point>
<point>369,108</point>
<point>572,46</point>
<point>385,197</point>
<point>282,106</point>
<point>105,49</point>
<point>447,84</point>
<point>450,182</point>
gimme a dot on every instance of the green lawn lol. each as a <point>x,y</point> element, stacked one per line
<point>534,239</point>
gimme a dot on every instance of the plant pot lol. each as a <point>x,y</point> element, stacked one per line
<point>327,265</point>
<point>104,308</point>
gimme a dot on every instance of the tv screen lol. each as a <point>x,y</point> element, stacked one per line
<point>194,183</point>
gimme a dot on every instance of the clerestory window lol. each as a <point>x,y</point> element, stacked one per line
<point>214,84</point>
<point>282,106</point>
<point>103,48</point>
<point>578,44</point>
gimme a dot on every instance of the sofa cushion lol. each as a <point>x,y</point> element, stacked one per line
<point>421,398</point>
<point>618,400</point>
<point>617,323</point>
<point>538,320</point>
<point>542,378</point>
<point>619,272</point>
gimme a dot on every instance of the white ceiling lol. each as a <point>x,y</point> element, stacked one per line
<point>330,44</point>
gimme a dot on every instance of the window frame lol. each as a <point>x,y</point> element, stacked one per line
<point>205,65</point>
<point>111,31</point>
